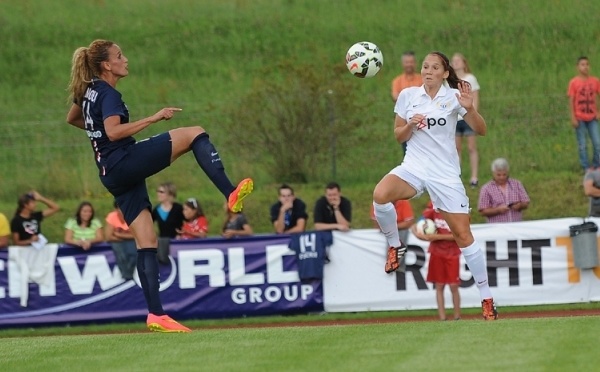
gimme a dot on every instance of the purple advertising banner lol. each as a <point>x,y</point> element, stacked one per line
<point>210,278</point>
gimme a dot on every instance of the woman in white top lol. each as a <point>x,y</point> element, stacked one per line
<point>463,71</point>
<point>426,118</point>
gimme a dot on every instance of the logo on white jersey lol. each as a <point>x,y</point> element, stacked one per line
<point>430,122</point>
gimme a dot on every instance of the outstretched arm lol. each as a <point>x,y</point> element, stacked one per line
<point>115,131</point>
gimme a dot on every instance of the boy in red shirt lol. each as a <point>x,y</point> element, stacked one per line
<point>444,261</point>
<point>583,92</point>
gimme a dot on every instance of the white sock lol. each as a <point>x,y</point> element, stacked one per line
<point>476,262</point>
<point>386,217</point>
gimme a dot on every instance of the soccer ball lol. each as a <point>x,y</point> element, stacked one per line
<point>364,59</point>
<point>426,226</point>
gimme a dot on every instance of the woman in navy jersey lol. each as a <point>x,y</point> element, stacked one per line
<point>124,164</point>
<point>426,118</point>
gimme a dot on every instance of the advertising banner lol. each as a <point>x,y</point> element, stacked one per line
<point>528,263</point>
<point>210,278</point>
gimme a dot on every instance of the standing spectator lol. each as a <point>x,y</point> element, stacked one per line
<point>84,229</point>
<point>195,224</point>
<point>404,221</point>
<point>583,91</point>
<point>502,199</point>
<point>235,225</point>
<point>122,242</point>
<point>288,215</point>
<point>591,188</point>
<point>168,215</point>
<point>333,211</point>
<point>409,77</point>
<point>4,231</point>
<point>26,225</point>
<point>444,261</point>
<point>463,71</point>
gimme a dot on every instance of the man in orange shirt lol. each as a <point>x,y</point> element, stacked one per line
<point>583,92</point>
<point>410,77</point>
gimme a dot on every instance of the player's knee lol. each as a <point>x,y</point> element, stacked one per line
<point>380,195</point>
<point>147,242</point>
<point>196,131</point>
<point>463,238</point>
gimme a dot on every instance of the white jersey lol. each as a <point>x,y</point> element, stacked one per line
<point>471,79</point>
<point>431,150</point>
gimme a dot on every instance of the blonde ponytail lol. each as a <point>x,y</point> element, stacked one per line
<point>85,66</point>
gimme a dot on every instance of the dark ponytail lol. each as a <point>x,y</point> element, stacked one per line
<point>22,202</point>
<point>452,78</point>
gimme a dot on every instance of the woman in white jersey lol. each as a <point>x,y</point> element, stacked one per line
<point>463,71</point>
<point>426,118</point>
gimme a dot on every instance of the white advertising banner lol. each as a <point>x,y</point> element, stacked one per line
<point>529,263</point>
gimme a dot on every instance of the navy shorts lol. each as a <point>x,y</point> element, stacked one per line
<point>463,129</point>
<point>126,180</point>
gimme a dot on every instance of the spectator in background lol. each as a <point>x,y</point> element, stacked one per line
<point>288,215</point>
<point>168,215</point>
<point>463,71</point>
<point>409,77</point>
<point>404,221</point>
<point>26,225</point>
<point>583,91</point>
<point>122,242</point>
<point>84,229</point>
<point>235,224</point>
<point>444,261</point>
<point>333,211</point>
<point>503,199</point>
<point>195,224</point>
<point>591,188</point>
<point>4,231</point>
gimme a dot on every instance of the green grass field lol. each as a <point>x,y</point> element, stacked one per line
<point>205,55</point>
<point>559,344</point>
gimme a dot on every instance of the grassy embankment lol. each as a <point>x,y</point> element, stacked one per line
<point>204,55</point>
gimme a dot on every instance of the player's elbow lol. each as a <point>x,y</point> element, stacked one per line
<point>112,136</point>
<point>482,130</point>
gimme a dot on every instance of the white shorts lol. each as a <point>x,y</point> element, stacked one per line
<point>448,195</point>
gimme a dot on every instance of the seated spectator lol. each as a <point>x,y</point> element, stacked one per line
<point>4,231</point>
<point>168,215</point>
<point>195,224</point>
<point>235,224</point>
<point>591,188</point>
<point>502,199</point>
<point>288,215</point>
<point>333,211</point>
<point>122,242</point>
<point>84,229</point>
<point>26,225</point>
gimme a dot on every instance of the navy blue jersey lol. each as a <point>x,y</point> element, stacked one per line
<point>101,101</point>
<point>310,248</point>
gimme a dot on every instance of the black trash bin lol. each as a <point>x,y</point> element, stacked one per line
<point>585,245</point>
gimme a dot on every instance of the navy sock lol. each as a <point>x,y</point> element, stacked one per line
<point>147,266</point>
<point>209,160</point>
